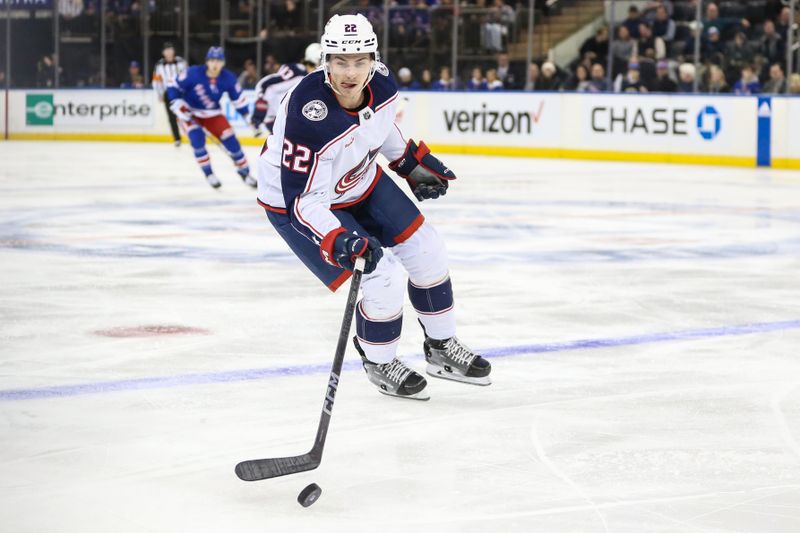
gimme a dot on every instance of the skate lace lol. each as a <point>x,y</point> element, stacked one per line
<point>459,352</point>
<point>395,370</point>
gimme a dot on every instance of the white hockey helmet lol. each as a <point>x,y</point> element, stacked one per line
<point>313,54</point>
<point>349,34</point>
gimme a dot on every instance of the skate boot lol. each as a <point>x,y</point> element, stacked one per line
<point>249,180</point>
<point>394,378</point>
<point>450,359</point>
<point>213,181</point>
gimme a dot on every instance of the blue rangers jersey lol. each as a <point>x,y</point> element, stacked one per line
<point>321,156</point>
<point>272,88</point>
<point>202,94</point>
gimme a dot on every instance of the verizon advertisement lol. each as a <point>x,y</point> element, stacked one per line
<point>506,120</point>
<point>651,123</point>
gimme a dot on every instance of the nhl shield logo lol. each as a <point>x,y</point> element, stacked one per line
<point>315,110</point>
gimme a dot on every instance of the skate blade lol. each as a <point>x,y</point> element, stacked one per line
<point>420,396</point>
<point>441,373</point>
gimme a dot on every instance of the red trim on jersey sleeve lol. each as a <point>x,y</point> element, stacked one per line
<point>335,284</point>
<point>268,207</point>
<point>409,231</point>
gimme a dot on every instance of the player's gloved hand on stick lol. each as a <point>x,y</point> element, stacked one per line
<point>181,109</point>
<point>340,248</point>
<point>425,174</point>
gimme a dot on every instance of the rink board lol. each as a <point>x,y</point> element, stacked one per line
<point>698,129</point>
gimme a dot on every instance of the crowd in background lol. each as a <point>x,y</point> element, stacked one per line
<point>741,50</point>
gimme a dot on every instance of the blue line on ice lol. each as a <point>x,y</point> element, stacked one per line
<point>165,382</point>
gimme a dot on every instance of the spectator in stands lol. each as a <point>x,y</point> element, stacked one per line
<point>249,76</point>
<point>506,16</point>
<point>722,24</point>
<point>46,72</point>
<point>493,83</point>
<point>476,82</point>
<point>712,49</point>
<point>579,81</point>
<point>445,81</point>
<point>663,26</point>
<point>777,80</point>
<point>748,84</point>
<point>647,42</point>
<point>271,64</point>
<point>631,81</point>
<point>771,45</point>
<point>425,80</point>
<point>686,74</point>
<point>504,72</point>
<point>598,83</point>
<point>794,84</point>
<point>532,83</point>
<point>716,84</point>
<point>783,23</point>
<point>650,11</point>
<point>596,47</point>
<point>663,82</point>
<point>632,22</point>
<point>492,31</point>
<point>737,54</point>
<point>405,80</point>
<point>135,79</point>
<point>622,48</point>
<point>287,16</point>
<point>549,80</point>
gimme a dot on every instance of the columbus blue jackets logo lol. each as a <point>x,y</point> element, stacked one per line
<point>353,177</point>
<point>380,67</point>
<point>315,110</point>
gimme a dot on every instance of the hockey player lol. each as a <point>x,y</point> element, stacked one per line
<point>331,203</point>
<point>271,88</point>
<point>194,98</point>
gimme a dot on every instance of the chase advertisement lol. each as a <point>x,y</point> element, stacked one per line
<point>653,123</point>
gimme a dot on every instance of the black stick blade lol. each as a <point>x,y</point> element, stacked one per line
<point>257,469</point>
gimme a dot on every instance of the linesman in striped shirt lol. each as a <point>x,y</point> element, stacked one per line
<point>166,71</point>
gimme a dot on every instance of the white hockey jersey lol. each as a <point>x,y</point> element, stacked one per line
<point>321,156</point>
<point>271,89</point>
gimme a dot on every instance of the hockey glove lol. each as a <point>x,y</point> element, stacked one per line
<point>181,109</point>
<point>259,112</point>
<point>425,174</point>
<point>341,249</point>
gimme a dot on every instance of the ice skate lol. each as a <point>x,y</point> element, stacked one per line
<point>249,180</point>
<point>451,359</point>
<point>394,378</point>
<point>213,181</point>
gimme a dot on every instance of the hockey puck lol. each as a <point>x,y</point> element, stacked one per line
<point>309,495</point>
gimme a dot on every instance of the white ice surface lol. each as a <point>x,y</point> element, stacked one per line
<point>693,435</point>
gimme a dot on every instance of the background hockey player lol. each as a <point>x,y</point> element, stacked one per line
<point>271,88</point>
<point>165,73</point>
<point>331,203</point>
<point>194,98</point>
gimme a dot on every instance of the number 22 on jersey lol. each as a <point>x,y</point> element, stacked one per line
<point>296,156</point>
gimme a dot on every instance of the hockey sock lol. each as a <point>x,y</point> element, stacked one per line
<point>378,337</point>
<point>198,140</point>
<point>434,305</point>
<point>233,147</point>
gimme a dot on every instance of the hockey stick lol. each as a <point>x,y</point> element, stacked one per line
<point>256,469</point>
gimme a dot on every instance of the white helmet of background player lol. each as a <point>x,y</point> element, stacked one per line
<point>349,34</point>
<point>313,54</point>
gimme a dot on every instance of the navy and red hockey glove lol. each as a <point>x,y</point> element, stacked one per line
<point>259,113</point>
<point>425,174</point>
<point>341,249</point>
